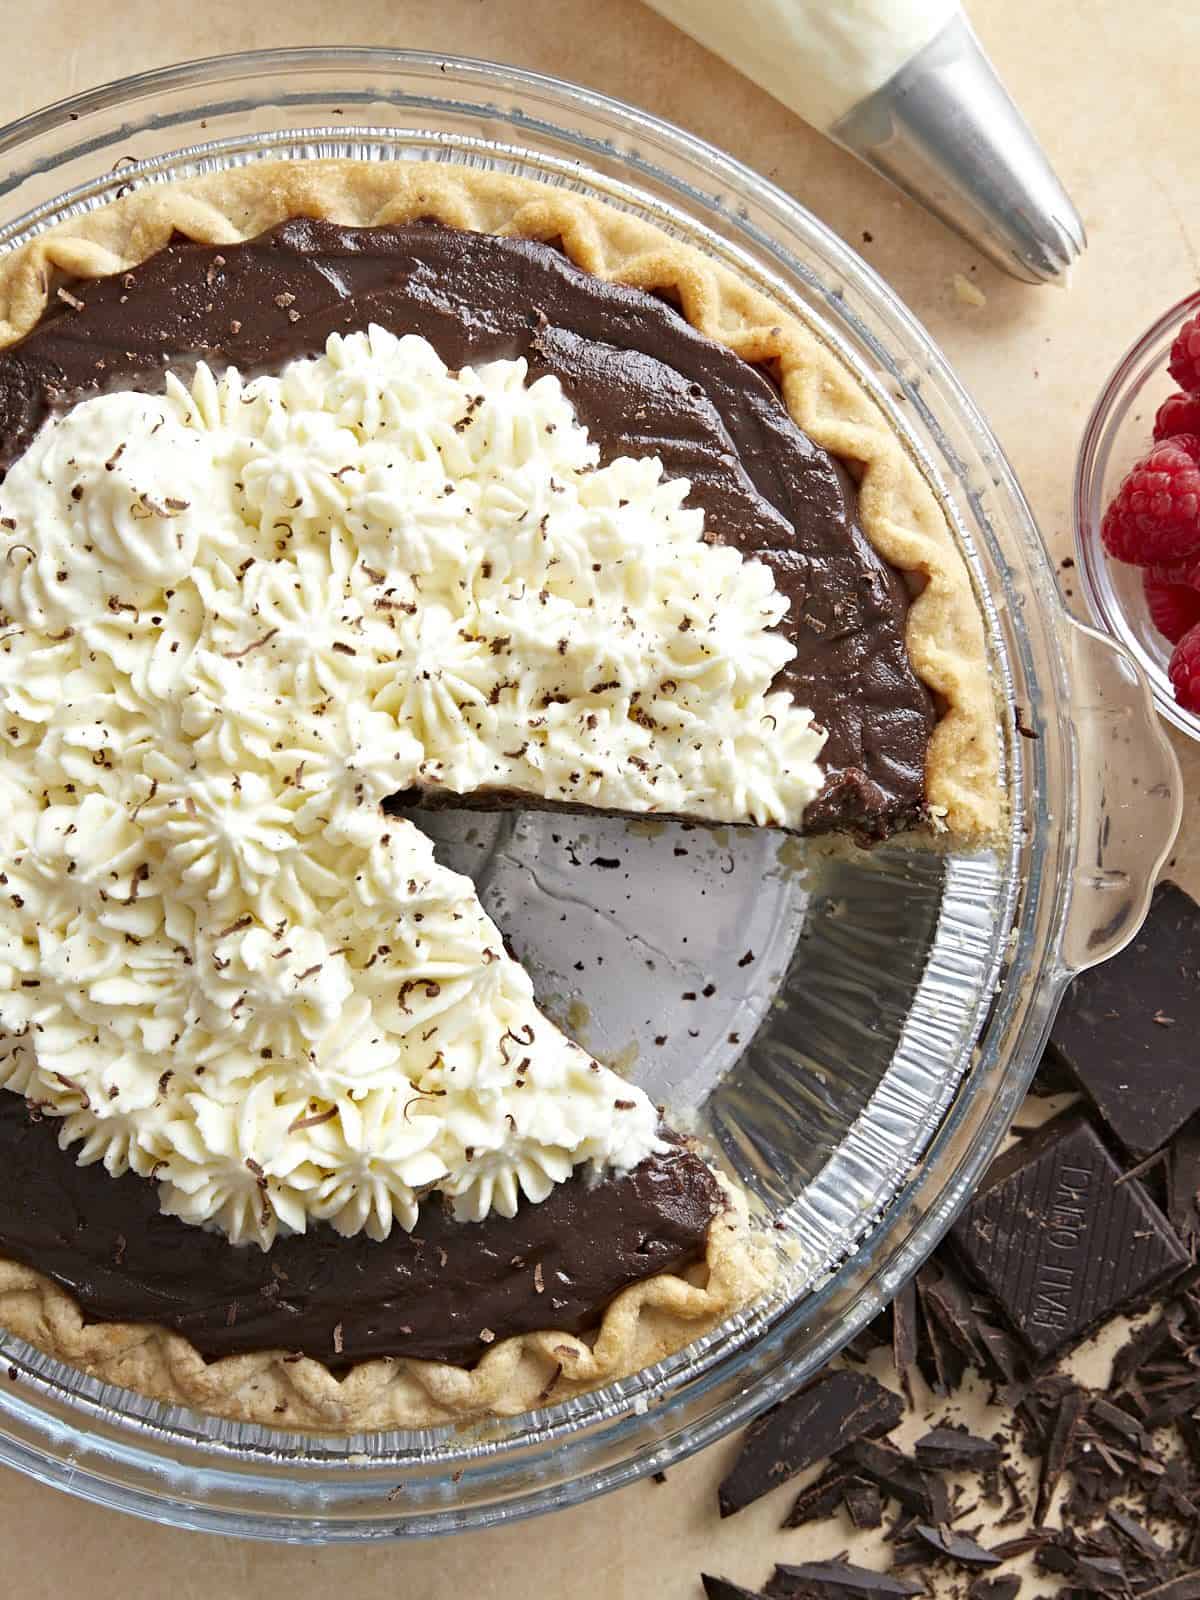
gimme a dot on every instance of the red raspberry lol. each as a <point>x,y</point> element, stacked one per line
<point>1174,607</point>
<point>1184,365</point>
<point>1155,514</point>
<point>1186,573</point>
<point>1185,670</point>
<point>1179,413</point>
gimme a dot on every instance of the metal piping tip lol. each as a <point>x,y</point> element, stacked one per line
<point>945,130</point>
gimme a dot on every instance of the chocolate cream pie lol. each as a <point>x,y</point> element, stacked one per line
<point>334,489</point>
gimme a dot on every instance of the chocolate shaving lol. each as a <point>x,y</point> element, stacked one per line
<point>1058,1448</point>
<point>956,1448</point>
<point>904,1336</point>
<point>836,1580</point>
<point>76,1088</point>
<point>901,1478</point>
<point>313,1121</point>
<point>722,1589</point>
<point>956,1546</point>
<point>236,655</point>
<point>1141,1540</point>
<point>1186,1586</point>
<point>821,1498</point>
<point>1022,1545</point>
<point>863,1502</point>
<point>1093,1574</point>
<point>1183,1184</point>
<point>1004,1588</point>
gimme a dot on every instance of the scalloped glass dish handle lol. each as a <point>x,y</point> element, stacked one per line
<point>1130,798</point>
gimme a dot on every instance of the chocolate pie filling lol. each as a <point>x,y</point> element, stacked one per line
<point>641,379</point>
<point>443,1292</point>
<point>643,382</point>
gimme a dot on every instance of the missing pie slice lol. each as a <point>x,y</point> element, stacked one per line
<point>336,487</point>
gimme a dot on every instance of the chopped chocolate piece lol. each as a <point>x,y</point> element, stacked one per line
<point>838,1579</point>
<point>1188,1304</point>
<point>1005,1588</point>
<point>954,1447</point>
<point>1183,1184</point>
<point>900,1528</point>
<point>1016,1500</point>
<point>1142,1541</point>
<point>1135,1069</point>
<point>949,1328</point>
<point>864,1503</point>
<point>956,1546</point>
<point>1058,1448</point>
<point>1104,1574</point>
<point>1037,1404</point>
<point>722,1589</point>
<point>1143,1347</point>
<point>942,1363</point>
<point>901,1478</point>
<point>1053,1077</point>
<point>1170,1498</point>
<point>1189,1430</point>
<point>1171,1400</point>
<point>821,1498</point>
<point>1059,1242</point>
<point>1096,1574</point>
<point>835,1410</point>
<point>1100,1464</point>
<point>949,1301</point>
<point>904,1336</point>
<point>1101,1541</point>
<point>1005,1359</point>
<point>1022,1545</point>
<point>867,1340</point>
<point>1184,1587</point>
<point>1103,1414</point>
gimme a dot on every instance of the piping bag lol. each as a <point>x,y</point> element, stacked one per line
<point>905,86</point>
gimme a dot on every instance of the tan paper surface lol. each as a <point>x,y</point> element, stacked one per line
<point>1110,87</point>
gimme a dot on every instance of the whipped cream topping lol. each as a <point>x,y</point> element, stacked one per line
<point>235,618</point>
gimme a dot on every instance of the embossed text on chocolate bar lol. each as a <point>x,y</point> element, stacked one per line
<point>1060,1239</point>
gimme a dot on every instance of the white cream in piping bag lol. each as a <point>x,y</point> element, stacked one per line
<point>819,57</point>
<point>235,618</point>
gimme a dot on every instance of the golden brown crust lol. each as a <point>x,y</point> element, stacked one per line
<point>945,640</point>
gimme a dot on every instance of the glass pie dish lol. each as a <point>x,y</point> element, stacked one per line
<point>1117,434</point>
<point>857,1077</point>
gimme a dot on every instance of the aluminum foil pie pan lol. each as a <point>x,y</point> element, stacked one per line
<point>855,1074</point>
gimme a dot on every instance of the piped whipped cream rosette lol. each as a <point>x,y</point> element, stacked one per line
<point>236,617</point>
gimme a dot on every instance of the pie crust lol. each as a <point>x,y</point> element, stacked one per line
<point>945,640</point>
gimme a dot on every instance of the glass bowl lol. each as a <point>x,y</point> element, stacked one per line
<point>858,1077</point>
<point>1117,433</point>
